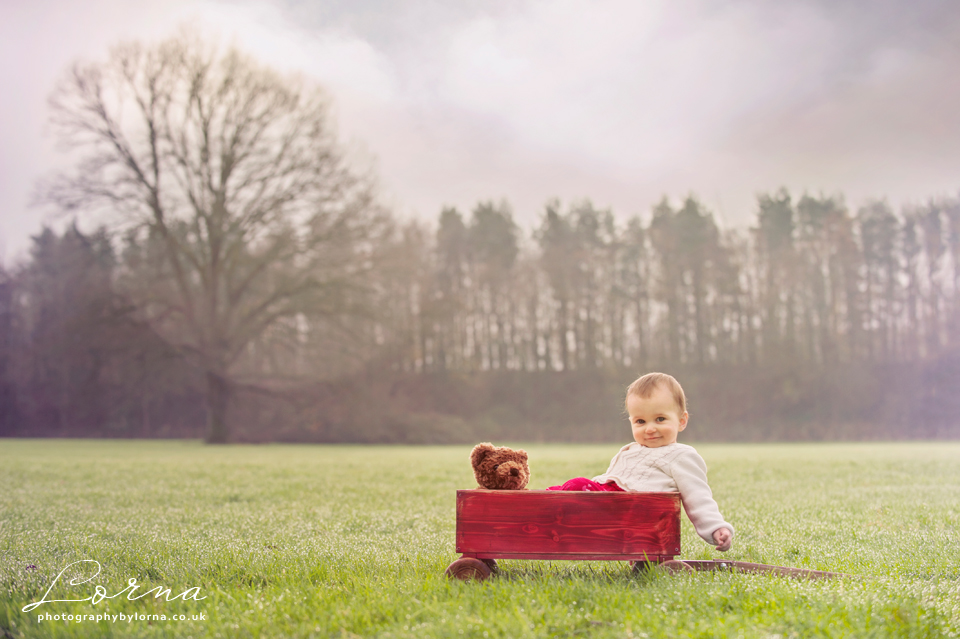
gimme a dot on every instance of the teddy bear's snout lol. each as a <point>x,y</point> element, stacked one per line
<point>508,469</point>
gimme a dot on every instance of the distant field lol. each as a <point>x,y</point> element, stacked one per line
<point>348,541</point>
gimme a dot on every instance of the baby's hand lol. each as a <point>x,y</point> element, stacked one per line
<point>723,537</point>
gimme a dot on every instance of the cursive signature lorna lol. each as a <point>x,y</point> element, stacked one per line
<point>100,593</point>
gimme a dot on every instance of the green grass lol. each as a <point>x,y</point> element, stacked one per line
<point>346,541</point>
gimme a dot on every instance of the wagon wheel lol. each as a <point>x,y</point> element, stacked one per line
<point>675,567</point>
<point>492,565</point>
<point>467,568</point>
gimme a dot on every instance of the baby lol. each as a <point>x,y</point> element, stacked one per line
<point>655,462</point>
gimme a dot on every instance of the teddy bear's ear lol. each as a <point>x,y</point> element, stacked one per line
<point>522,453</point>
<point>479,452</point>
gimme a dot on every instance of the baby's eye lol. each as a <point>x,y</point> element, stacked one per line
<point>640,421</point>
<point>661,419</point>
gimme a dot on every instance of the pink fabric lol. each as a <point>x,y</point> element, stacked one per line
<point>582,483</point>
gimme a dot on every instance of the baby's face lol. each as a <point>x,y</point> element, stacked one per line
<point>656,420</point>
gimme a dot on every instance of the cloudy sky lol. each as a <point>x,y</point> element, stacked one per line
<point>621,101</point>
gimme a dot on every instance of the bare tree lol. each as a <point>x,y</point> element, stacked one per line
<point>249,222</point>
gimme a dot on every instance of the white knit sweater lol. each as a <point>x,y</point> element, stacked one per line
<point>671,468</point>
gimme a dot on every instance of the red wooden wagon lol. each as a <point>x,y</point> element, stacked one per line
<point>550,524</point>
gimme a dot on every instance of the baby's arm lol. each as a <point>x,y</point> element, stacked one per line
<point>723,538</point>
<point>690,473</point>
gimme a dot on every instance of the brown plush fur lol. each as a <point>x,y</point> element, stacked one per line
<point>499,467</point>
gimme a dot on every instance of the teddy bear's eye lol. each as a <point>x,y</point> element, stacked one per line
<point>496,466</point>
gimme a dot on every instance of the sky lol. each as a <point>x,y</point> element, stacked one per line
<point>619,101</point>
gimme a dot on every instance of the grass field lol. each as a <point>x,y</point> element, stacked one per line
<point>347,541</point>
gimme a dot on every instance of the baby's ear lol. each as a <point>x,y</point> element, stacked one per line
<point>479,452</point>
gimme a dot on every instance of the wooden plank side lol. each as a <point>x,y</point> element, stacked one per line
<point>568,523</point>
<point>571,557</point>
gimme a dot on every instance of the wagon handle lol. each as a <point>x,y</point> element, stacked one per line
<point>689,565</point>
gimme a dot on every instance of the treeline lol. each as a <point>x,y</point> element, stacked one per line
<point>816,322</point>
<point>810,283</point>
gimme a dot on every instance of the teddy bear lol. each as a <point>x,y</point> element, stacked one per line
<point>499,467</point>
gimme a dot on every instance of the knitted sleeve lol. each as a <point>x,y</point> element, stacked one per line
<point>613,462</point>
<point>689,471</point>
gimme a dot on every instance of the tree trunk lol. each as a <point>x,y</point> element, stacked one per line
<point>218,397</point>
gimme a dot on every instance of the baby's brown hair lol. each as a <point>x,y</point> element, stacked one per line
<point>644,387</point>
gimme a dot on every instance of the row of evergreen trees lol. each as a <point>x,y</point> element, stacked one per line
<point>811,282</point>
<point>475,327</point>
